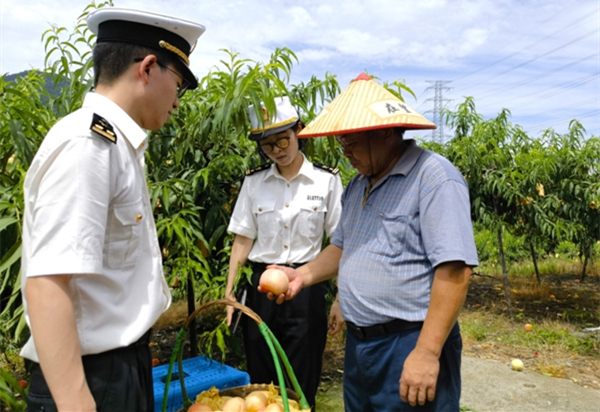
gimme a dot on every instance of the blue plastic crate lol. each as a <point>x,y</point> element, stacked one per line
<point>200,374</point>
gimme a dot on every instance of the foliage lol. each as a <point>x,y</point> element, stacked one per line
<point>27,111</point>
<point>546,190</point>
<point>12,395</point>
<point>543,192</point>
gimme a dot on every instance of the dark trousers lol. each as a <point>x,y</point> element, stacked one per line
<point>372,370</point>
<point>300,326</point>
<point>120,380</point>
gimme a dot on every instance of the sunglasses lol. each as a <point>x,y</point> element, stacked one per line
<point>281,143</point>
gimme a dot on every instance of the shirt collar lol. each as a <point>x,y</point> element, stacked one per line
<point>306,169</point>
<point>108,109</point>
<point>404,165</point>
<point>408,160</point>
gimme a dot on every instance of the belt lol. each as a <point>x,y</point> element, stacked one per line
<point>264,265</point>
<point>381,329</point>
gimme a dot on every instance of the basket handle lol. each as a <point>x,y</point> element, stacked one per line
<point>270,339</point>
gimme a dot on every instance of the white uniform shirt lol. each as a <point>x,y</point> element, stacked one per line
<point>287,218</point>
<point>88,214</point>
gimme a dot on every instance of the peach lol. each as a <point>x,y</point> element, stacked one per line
<point>236,404</point>
<point>274,281</point>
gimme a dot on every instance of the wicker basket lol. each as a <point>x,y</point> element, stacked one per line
<point>279,356</point>
<point>243,391</point>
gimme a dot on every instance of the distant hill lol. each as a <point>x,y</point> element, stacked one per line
<point>48,84</point>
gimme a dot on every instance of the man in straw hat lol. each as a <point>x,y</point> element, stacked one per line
<point>93,284</point>
<point>403,249</point>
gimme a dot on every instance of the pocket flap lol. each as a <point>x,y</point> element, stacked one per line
<point>264,206</point>
<point>314,207</point>
<point>131,214</point>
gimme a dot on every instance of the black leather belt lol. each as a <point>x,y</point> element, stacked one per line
<point>381,329</point>
<point>260,266</point>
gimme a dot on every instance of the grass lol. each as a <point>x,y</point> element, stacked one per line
<point>561,336</point>
<point>558,310</point>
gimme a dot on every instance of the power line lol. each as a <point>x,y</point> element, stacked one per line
<point>568,86</point>
<point>542,126</point>
<point>562,46</point>
<point>531,45</point>
<point>534,78</point>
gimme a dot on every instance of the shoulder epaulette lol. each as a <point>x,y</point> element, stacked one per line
<point>101,126</point>
<point>327,168</point>
<point>250,172</point>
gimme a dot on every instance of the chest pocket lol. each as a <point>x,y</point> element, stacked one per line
<point>392,233</point>
<point>124,234</point>
<point>266,218</point>
<point>311,218</point>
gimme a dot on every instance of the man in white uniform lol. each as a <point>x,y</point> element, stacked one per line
<point>93,284</point>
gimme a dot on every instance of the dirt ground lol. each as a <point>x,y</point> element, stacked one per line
<point>558,298</point>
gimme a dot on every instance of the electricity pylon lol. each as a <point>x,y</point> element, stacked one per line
<point>437,135</point>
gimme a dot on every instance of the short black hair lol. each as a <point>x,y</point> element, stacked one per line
<point>112,59</point>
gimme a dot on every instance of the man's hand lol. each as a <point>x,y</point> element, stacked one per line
<point>336,321</point>
<point>419,377</point>
<point>54,331</point>
<point>422,366</point>
<point>295,286</point>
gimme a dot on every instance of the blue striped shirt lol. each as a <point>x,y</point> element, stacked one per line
<point>415,218</point>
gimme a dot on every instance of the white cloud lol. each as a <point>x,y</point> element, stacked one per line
<point>487,47</point>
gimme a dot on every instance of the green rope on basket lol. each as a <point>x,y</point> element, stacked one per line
<point>303,403</point>
<point>271,341</point>
<point>269,338</point>
<point>177,350</point>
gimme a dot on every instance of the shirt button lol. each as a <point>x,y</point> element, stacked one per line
<point>287,205</point>
<point>285,246</point>
<point>285,226</point>
<point>315,208</point>
<point>139,217</point>
<point>143,144</point>
<point>288,185</point>
<point>260,209</point>
<point>288,263</point>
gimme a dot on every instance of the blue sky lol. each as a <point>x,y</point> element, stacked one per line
<point>539,59</point>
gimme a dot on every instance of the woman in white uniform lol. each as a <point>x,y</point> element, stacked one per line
<point>280,217</point>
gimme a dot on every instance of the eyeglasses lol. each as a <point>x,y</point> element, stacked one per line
<point>281,143</point>
<point>181,88</point>
<point>345,142</point>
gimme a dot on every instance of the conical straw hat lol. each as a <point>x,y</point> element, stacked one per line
<point>364,105</point>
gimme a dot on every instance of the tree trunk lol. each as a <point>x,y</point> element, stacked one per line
<point>504,274</point>
<point>585,262</point>
<point>537,272</point>
<point>191,299</point>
